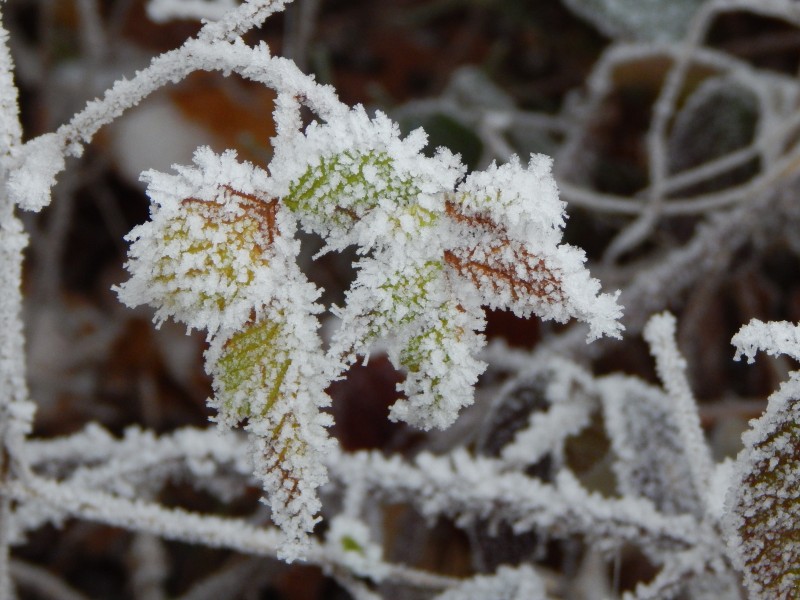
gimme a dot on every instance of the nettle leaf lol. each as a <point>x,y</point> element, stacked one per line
<point>764,499</point>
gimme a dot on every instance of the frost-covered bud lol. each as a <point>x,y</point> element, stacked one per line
<point>204,257</point>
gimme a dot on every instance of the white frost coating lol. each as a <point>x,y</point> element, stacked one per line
<point>774,338</point>
<point>162,11</point>
<point>378,187</point>
<point>508,583</point>
<point>718,489</point>
<point>10,127</point>
<point>219,253</point>
<point>438,250</point>
<point>216,49</point>
<point>524,199</point>
<point>671,366</point>
<point>442,371</point>
<point>469,488</point>
<point>645,435</point>
<point>41,160</point>
<point>511,221</point>
<point>349,538</point>
<point>183,262</point>
<point>280,395</point>
<point>763,505</point>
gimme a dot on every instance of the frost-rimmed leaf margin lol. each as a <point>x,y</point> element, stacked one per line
<point>763,501</point>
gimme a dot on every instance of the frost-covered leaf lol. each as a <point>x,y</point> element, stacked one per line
<point>507,228</point>
<point>356,181</point>
<point>764,498</point>
<point>206,255</point>
<point>441,370</point>
<point>219,253</point>
<point>645,437</point>
<point>272,376</point>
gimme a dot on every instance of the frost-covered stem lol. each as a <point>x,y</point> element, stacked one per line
<point>138,450</point>
<point>671,366</point>
<point>251,14</point>
<point>42,157</point>
<point>15,409</point>
<point>180,525</point>
<point>467,488</point>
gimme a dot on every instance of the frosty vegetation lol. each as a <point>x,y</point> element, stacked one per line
<point>437,245</point>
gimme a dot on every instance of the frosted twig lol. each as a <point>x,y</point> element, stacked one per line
<point>671,366</point>
<point>42,159</point>
<point>16,411</point>
<point>467,488</point>
<point>180,525</point>
<point>774,338</point>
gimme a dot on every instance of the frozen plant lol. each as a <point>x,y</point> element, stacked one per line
<point>219,253</point>
<point>436,246</point>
